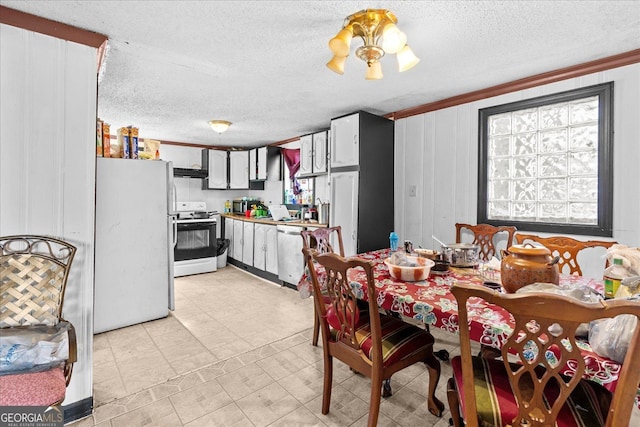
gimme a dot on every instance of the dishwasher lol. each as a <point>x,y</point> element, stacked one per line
<point>290,259</point>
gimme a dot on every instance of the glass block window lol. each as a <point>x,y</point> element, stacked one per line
<point>546,164</point>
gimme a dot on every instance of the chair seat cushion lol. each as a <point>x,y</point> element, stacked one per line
<point>496,404</point>
<point>399,339</point>
<point>33,389</point>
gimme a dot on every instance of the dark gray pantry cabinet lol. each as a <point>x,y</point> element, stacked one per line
<point>361,179</point>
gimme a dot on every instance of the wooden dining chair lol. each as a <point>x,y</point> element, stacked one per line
<point>33,278</point>
<point>374,345</point>
<point>564,247</point>
<point>320,240</point>
<point>536,391</point>
<point>483,236</point>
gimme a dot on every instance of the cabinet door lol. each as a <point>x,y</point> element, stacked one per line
<point>247,241</point>
<point>253,164</point>
<point>306,153</point>
<point>238,241</point>
<point>259,237</point>
<point>344,208</point>
<point>271,249</point>
<point>320,153</point>
<point>217,170</point>
<point>262,163</point>
<point>345,141</point>
<point>239,169</point>
<point>228,234</point>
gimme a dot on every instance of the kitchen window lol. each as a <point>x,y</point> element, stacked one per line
<point>546,164</point>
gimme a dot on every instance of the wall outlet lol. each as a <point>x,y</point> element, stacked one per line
<point>412,191</point>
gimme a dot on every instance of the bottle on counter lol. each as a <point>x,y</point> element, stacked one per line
<point>393,241</point>
<point>613,275</point>
<point>227,206</point>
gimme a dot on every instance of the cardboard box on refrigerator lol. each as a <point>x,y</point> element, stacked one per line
<point>106,140</point>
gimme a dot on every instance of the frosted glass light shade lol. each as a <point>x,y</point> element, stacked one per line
<point>340,45</point>
<point>337,64</point>
<point>393,39</point>
<point>406,59</point>
<point>374,71</point>
<point>219,125</point>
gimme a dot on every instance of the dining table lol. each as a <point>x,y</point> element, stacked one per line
<point>431,303</point>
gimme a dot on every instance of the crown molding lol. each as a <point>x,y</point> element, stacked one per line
<point>615,61</point>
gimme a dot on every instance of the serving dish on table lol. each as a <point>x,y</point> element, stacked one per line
<point>417,269</point>
<point>461,254</point>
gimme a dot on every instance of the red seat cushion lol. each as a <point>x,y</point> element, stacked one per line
<point>33,389</point>
<point>399,339</point>
<point>496,404</point>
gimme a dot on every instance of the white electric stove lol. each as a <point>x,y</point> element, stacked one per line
<point>196,243</point>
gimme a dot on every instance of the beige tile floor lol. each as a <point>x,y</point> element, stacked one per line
<point>236,352</point>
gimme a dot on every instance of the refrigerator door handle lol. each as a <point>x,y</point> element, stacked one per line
<point>174,239</point>
<point>173,230</point>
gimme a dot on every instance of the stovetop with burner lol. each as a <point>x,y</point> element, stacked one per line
<point>195,212</point>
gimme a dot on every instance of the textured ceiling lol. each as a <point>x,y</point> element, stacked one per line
<point>173,65</point>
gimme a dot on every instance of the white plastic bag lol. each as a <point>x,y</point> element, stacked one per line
<point>32,349</point>
<point>611,337</point>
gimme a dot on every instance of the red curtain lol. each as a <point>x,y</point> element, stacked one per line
<point>292,159</point>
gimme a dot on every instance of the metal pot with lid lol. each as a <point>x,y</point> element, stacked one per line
<point>525,264</point>
<point>461,254</point>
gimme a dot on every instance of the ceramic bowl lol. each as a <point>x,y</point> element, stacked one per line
<point>410,274</point>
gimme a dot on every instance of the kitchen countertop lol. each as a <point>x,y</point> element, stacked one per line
<point>268,220</point>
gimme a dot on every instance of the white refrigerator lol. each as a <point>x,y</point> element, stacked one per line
<point>134,242</point>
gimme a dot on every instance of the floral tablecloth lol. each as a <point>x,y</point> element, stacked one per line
<point>431,303</point>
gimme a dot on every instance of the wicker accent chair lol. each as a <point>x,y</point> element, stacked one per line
<point>564,247</point>
<point>33,278</point>
<point>483,235</point>
<point>536,392</point>
<point>373,345</point>
<point>320,240</point>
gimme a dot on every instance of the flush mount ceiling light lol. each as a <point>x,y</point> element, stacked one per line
<point>219,125</point>
<point>378,30</point>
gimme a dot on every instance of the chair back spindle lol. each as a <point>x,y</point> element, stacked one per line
<point>483,236</point>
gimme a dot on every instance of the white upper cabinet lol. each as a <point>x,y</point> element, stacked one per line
<point>239,169</point>
<point>262,163</point>
<point>313,154</point>
<point>320,153</point>
<point>306,155</point>
<point>217,168</point>
<point>345,141</point>
<point>253,164</point>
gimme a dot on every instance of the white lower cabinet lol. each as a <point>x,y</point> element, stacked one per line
<point>265,248</point>
<point>247,242</point>
<point>238,232</point>
<point>228,234</point>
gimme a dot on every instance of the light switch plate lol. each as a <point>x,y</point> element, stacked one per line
<point>412,191</point>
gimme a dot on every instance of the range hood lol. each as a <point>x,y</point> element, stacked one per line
<point>190,173</point>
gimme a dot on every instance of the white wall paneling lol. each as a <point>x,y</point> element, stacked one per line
<point>444,144</point>
<point>47,163</point>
